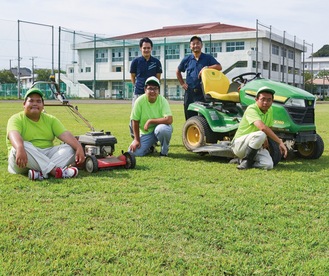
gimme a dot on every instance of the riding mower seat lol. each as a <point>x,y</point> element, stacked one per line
<point>216,86</point>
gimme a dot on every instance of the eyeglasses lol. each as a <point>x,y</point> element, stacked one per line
<point>267,100</point>
<point>152,88</point>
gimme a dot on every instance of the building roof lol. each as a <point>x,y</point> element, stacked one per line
<point>193,29</point>
<point>24,72</point>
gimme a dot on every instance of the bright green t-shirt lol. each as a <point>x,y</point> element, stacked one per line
<point>252,114</point>
<point>41,134</point>
<point>144,110</point>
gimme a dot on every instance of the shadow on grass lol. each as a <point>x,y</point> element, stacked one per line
<point>294,163</point>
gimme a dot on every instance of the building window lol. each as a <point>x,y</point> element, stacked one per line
<point>172,51</point>
<point>275,67</point>
<point>133,53</point>
<point>275,50</point>
<point>117,54</point>
<point>234,45</point>
<point>101,55</point>
<point>118,69</point>
<point>291,54</point>
<point>213,49</point>
<point>284,52</point>
<point>265,65</point>
<point>117,86</point>
<point>81,70</point>
<point>71,70</point>
<point>156,51</point>
<point>88,69</point>
<point>187,49</point>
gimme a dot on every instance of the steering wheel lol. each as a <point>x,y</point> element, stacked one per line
<point>241,79</point>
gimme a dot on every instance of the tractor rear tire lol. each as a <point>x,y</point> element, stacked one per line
<point>311,150</point>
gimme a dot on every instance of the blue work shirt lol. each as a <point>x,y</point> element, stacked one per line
<point>144,69</point>
<point>193,68</point>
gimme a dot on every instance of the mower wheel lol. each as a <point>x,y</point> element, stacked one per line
<point>275,152</point>
<point>91,164</point>
<point>130,160</point>
<point>311,150</point>
<point>196,133</point>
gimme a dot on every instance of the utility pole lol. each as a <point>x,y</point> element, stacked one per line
<point>32,58</point>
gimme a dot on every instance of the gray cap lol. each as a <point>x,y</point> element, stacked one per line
<point>265,89</point>
<point>153,80</point>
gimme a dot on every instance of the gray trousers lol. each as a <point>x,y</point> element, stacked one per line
<point>254,140</point>
<point>43,160</point>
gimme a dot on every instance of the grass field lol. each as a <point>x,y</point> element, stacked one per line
<point>182,215</point>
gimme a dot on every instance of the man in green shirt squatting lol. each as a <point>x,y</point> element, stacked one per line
<point>250,141</point>
<point>151,120</point>
<point>30,142</point>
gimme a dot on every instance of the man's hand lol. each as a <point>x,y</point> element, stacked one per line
<point>79,155</point>
<point>147,124</point>
<point>283,149</point>
<point>134,145</point>
<point>21,157</point>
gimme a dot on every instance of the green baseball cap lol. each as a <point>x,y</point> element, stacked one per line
<point>33,90</point>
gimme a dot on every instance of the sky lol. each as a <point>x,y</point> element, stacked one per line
<point>302,19</point>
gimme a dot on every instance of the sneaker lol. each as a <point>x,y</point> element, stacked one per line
<point>35,175</point>
<point>163,155</point>
<point>66,172</point>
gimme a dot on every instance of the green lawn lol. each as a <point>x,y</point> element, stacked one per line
<point>182,215</point>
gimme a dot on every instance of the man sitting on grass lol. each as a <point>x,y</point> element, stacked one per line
<point>30,137</point>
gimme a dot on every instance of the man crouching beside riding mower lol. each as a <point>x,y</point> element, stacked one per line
<point>151,120</point>
<point>250,141</point>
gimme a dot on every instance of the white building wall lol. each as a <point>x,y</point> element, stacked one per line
<point>106,71</point>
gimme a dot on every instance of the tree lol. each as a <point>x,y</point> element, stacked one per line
<point>43,74</point>
<point>323,52</point>
<point>308,81</point>
<point>7,76</point>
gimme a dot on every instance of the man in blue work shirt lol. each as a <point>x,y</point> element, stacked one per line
<point>143,67</point>
<point>193,64</point>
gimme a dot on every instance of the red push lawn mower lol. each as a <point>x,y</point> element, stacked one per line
<point>99,146</point>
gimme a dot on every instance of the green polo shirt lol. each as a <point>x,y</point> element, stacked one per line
<point>41,134</point>
<point>144,110</point>
<point>252,114</point>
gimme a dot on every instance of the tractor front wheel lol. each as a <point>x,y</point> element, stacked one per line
<point>196,133</point>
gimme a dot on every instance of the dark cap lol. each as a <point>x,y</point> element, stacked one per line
<point>265,89</point>
<point>195,37</point>
<point>152,80</point>
<point>33,91</point>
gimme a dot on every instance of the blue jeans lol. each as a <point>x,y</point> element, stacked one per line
<point>162,133</point>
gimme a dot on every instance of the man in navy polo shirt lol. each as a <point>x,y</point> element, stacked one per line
<point>193,64</point>
<point>143,67</point>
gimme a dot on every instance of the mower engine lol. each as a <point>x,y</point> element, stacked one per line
<point>98,143</point>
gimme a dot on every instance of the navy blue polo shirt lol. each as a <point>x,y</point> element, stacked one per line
<point>193,68</point>
<point>144,69</point>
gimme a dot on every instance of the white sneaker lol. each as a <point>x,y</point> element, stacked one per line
<point>35,175</point>
<point>66,172</point>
